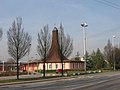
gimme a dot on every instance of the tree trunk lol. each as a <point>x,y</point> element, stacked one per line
<point>44,69</point>
<point>17,69</point>
<point>17,64</point>
<point>62,69</point>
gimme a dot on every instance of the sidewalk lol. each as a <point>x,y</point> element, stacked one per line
<point>28,76</point>
<point>32,81</point>
<point>21,76</point>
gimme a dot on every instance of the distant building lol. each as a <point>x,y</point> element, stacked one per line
<point>7,66</point>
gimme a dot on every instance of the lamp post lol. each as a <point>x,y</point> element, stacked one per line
<point>114,51</point>
<point>3,66</point>
<point>84,25</point>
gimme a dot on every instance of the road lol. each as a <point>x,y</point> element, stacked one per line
<point>103,81</point>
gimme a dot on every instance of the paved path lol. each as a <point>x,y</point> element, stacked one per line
<point>27,76</point>
<point>20,76</point>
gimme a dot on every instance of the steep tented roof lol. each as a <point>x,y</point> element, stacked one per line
<point>54,53</point>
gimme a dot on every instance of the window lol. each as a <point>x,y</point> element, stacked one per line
<point>73,65</point>
<point>50,65</point>
<point>56,66</point>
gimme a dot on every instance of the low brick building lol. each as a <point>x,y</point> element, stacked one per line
<point>53,61</point>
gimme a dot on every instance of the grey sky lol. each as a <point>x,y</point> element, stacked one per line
<point>103,20</point>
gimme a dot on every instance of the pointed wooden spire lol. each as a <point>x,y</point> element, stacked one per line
<point>54,54</point>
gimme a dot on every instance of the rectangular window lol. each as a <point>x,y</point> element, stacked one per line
<point>50,66</point>
<point>73,65</point>
<point>56,66</point>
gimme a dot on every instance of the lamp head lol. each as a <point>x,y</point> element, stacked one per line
<point>114,36</point>
<point>84,25</point>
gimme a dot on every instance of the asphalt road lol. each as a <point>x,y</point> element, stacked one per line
<point>106,81</point>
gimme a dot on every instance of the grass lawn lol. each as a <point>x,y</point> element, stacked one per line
<point>27,79</point>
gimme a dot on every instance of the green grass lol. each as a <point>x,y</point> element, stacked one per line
<point>15,80</point>
<point>27,79</point>
<point>46,71</point>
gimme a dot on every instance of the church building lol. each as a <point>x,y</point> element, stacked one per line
<point>53,61</point>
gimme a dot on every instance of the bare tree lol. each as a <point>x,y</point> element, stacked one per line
<point>66,44</point>
<point>18,41</point>
<point>44,44</point>
<point>108,52</point>
<point>1,33</point>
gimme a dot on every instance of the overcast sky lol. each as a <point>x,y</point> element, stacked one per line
<point>102,17</point>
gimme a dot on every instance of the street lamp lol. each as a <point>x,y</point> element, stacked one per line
<point>114,51</point>
<point>84,25</point>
